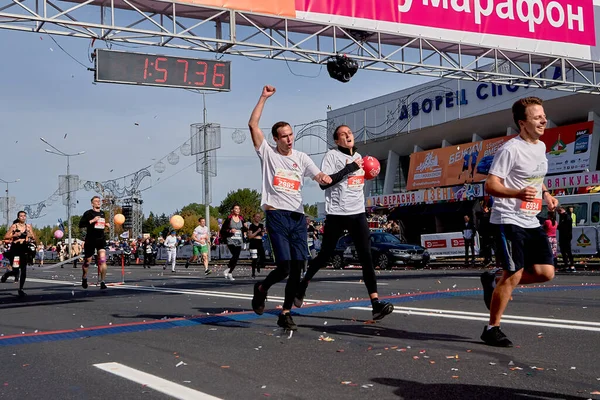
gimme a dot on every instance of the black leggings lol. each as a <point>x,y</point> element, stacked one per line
<point>358,228</point>
<point>259,261</point>
<point>281,271</point>
<point>565,250</point>
<point>235,256</point>
<point>21,272</point>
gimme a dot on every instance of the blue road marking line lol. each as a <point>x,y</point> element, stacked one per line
<point>236,318</point>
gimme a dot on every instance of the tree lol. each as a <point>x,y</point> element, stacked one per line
<point>200,210</point>
<point>150,223</point>
<point>311,210</point>
<point>2,231</point>
<point>248,200</point>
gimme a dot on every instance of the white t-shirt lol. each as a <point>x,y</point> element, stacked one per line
<point>347,196</point>
<point>170,242</point>
<point>201,232</point>
<point>520,164</point>
<point>283,177</point>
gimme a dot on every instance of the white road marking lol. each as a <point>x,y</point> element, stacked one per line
<point>169,388</point>
<point>506,319</point>
<point>195,292</point>
<point>357,283</point>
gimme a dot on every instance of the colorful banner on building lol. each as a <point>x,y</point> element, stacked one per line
<point>518,24</point>
<point>569,181</point>
<point>568,148</point>
<point>433,195</point>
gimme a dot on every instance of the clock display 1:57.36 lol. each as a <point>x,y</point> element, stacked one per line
<point>159,70</point>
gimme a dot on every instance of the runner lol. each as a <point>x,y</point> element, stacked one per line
<point>21,235</point>
<point>283,172</point>
<point>516,181</point>
<point>201,245</point>
<point>171,245</point>
<point>345,209</point>
<point>255,235</point>
<point>94,222</point>
<point>232,232</point>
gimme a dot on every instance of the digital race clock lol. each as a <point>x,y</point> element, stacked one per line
<point>157,70</point>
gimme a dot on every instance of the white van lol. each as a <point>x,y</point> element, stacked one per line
<point>585,206</point>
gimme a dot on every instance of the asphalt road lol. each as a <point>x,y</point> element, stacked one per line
<point>162,335</point>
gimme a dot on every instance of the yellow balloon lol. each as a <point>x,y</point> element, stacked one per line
<point>177,221</point>
<point>119,219</point>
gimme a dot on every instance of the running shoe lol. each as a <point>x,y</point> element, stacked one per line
<point>381,309</point>
<point>102,285</point>
<point>22,293</point>
<point>495,337</point>
<point>207,272</point>
<point>286,322</point>
<point>84,283</point>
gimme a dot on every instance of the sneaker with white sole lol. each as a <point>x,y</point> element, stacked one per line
<point>230,277</point>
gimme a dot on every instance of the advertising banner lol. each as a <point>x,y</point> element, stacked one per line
<point>585,240</point>
<point>447,244</point>
<point>573,180</point>
<point>568,148</point>
<point>433,195</point>
<point>528,25</point>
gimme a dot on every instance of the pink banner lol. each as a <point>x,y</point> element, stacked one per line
<point>568,21</point>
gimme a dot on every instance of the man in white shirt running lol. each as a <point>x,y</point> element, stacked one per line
<point>283,172</point>
<point>516,180</point>
<point>171,245</point>
<point>345,209</point>
<point>201,245</point>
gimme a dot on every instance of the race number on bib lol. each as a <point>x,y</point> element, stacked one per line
<point>100,224</point>
<point>286,181</point>
<point>531,208</point>
<point>356,182</point>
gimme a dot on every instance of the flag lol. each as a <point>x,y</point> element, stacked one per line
<point>124,235</point>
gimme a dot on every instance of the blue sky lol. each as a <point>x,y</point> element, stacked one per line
<point>44,93</point>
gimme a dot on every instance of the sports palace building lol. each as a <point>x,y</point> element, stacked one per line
<point>436,141</point>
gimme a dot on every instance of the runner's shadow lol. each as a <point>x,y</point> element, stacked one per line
<point>409,390</point>
<point>369,330</point>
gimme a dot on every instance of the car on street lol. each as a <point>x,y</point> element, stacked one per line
<point>386,251</point>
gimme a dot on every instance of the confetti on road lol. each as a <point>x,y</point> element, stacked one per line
<point>326,339</point>
<point>224,366</point>
<point>180,363</point>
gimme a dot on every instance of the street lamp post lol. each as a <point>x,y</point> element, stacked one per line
<point>7,201</point>
<point>62,153</point>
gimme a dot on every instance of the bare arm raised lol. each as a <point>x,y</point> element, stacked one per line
<point>256,132</point>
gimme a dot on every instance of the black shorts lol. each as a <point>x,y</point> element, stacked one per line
<point>90,246</point>
<point>518,248</point>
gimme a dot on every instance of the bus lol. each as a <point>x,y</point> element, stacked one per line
<point>585,206</point>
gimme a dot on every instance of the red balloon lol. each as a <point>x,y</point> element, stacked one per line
<point>371,166</point>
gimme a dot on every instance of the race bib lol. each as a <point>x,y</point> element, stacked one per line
<point>100,224</point>
<point>16,262</point>
<point>531,208</point>
<point>356,182</point>
<point>310,241</point>
<point>148,250</point>
<point>286,181</point>
<point>237,235</point>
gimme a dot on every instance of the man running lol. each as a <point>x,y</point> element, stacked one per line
<point>171,245</point>
<point>201,244</point>
<point>283,172</point>
<point>345,209</point>
<point>516,181</point>
<point>21,235</point>
<point>94,222</point>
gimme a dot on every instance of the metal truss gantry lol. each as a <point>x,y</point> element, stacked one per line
<point>222,31</point>
<point>137,213</point>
